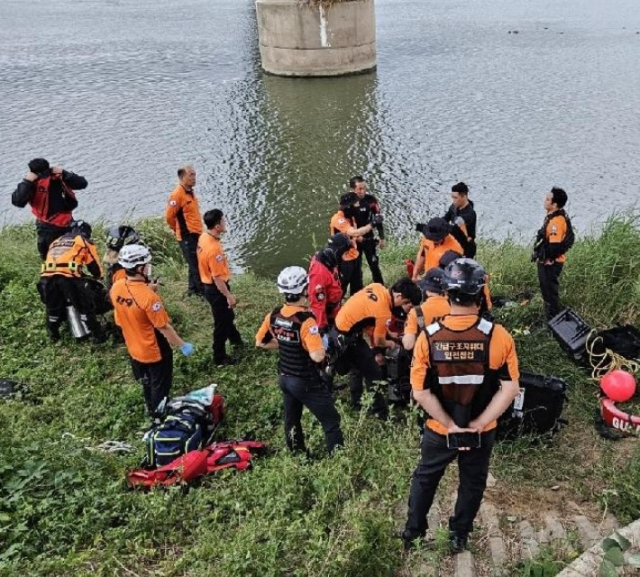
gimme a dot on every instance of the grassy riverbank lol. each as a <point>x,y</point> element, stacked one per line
<point>64,507</point>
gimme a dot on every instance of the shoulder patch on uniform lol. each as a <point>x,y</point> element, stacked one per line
<point>219,258</point>
<point>156,306</point>
<point>554,229</point>
<point>173,202</point>
<point>313,330</point>
<point>341,221</point>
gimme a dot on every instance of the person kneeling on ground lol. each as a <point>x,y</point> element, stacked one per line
<point>464,375</point>
<point>371,307</point>
<point>71,276</point>
<point>291,328</point>
<point>146,327</point>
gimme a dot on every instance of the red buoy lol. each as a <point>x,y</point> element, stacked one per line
<point>618,385</point>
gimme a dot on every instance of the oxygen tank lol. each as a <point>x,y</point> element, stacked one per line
<point>78,327</point>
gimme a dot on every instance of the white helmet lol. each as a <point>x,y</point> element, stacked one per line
<point>292,280</point>
<point>133,255</point>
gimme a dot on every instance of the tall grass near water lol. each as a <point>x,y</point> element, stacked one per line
<point>64,506</point>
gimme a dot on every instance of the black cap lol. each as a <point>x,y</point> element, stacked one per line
<point>448,257</point>
<point>348,199</point>
<point>436,229</point>
<point>432,281</point>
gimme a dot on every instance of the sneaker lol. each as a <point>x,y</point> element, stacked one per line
<point>457,543</point>
<point>226,362</point>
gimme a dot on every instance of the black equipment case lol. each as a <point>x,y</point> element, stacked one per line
<point>571,332</point>
<point>536,410</point>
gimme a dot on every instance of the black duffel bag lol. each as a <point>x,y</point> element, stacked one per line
<point>536,410</point>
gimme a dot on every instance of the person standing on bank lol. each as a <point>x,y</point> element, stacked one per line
<point>437,241</point>
<point>292,330</point>
<point>184,219</point>
<point>368,212</point>
<point>464,375</point>
<point>553,241</point>
<point>462,216</point>
<point>215,276</point>
<point>49,191</point>
<point>146,327</point>
<point>351,263</point>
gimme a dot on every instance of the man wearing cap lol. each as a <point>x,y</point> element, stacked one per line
<point>462,216</point>
<point>437,241</point>
<point>435,306</point>
<point>351,263</point>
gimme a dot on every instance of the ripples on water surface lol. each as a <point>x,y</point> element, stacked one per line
<point>123,92</point>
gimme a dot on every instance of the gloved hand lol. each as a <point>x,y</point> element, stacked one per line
<point>187,349</point>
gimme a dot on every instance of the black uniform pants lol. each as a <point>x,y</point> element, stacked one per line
<point>155,378</point>
<point>360,359</point>
<point>351,275</point>
<point>369,247</point>
<point>313,394</point>
<point>549,279</point>
<point>435,457</point>
<point>224,327</point>
<point>189,246</point>
<point>58,292</point>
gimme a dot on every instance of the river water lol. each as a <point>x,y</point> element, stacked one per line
<point>511,96</point>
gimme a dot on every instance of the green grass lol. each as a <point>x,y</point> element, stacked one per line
<point>65,509</point>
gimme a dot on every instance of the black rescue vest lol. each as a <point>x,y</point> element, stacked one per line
<point>294,359</point>
<point>459,375</point>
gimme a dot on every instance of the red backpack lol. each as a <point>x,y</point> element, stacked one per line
<point>223,455</point>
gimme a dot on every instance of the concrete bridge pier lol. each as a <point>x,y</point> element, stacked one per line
<point>314,39</point>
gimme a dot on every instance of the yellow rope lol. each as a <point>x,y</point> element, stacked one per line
<point>608,361</point>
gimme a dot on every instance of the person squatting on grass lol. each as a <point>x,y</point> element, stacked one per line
<point>372,307</point>
<point>146,327</point>
<point>292,330</point>
<point>464,375</point>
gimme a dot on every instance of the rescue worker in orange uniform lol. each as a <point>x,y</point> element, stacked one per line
<point>553,241</point>
<point>464,375</point>
<point>71,275</point>
<point>146,327</point>
<point>325,293</point>
<point>435,306</point>
<point>215,276</point>
<point>351,264</point>
<point>292,330</point>
<point>117,237</point>
<point>462,217</point>
<point>437,240</point>
<point>50,192</point>
<point>184,219</point>
<point>371,307</point>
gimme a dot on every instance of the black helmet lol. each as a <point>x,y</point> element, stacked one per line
<point>119,236</point>
<point>339,244</point>
<point>464,276</point>
<point>81,227</point>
